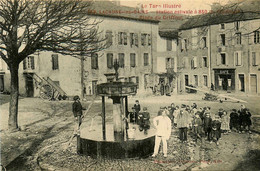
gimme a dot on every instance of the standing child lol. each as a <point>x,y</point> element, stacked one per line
<point>77,111</point>
<point>216,132</point>
<point>234,120</point>
<point>175,115</point>
<point>197,124</point>
<point>248,120</point>
<point>225,122</point>
<point>207,126</point>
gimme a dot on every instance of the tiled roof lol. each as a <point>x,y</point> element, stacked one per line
<point>243,12</point>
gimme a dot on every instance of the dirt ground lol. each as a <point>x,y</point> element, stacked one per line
<point>48,125</point>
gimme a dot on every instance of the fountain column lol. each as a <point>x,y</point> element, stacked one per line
<point>118,118</point>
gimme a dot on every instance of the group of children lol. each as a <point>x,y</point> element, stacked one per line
<point>200,121</point>
<point>203,121</point>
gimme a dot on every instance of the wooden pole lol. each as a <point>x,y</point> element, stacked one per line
<point>103,118</point>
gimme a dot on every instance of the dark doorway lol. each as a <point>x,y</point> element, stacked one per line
<point>29,85</point>
<point>2,85</point>
<point>241,82</point>
<point>186,80</point>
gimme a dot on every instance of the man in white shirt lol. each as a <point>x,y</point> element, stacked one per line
<point>163,126</point>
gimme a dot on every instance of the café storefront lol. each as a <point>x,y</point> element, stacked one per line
<point>224,79</point>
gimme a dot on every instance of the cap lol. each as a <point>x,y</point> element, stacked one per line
<point>76,97</point>
<point>145,108</point>
<point>137,101</point>
<point>183,106</point>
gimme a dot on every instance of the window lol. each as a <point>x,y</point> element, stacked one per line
<point>132,60</point>
<point>196,81</point>
<point>237,25</point>
<point>204,42</point>
<point>204,61</point>
<point>238,38</point>
<point>223,39</point>
<point>28,63</point>
<point>143,39</point>
<point>110,61</point>
<point>146,59</point>
<point>125,38</point>
<point>185,44</point>
<point>121,57</point>
<point>238,58</point>
<point>55,61</point>
<point>149,40</point>
<point>223,58</point>
<point>194,63</point>
<point>109,38</point>
<point>137,82</point>
<point>205,80</point>
<point>169,44</point>
<point>222,26</point>
<point>132,40</point>
<point>256,37</point>
<point>122,38</point>
<point>255,59</point>
<point>94,61</point>
<point>136,39</point>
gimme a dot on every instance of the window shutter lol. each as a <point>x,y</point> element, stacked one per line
<point>218,59</point>
<point>24,64</point>
<point>136,39</point>
<point>226,56</point>
<point>32,62</point>
<point>172,62</point>
<point>195,62</point>
<point>257,56</point>
<point>240,58</point>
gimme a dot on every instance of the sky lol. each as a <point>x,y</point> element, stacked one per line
<point>185,4</point>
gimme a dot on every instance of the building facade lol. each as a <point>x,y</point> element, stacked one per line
<point>225,54</point>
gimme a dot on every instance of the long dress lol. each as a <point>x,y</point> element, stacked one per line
<point>225,122</point>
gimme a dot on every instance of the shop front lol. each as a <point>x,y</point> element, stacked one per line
<point>224,79</point>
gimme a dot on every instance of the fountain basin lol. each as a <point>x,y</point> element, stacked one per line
<point>140,145</point>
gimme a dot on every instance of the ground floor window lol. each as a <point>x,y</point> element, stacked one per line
<point>205,80</point>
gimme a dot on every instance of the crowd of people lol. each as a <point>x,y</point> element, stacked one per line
<point>199,122</point>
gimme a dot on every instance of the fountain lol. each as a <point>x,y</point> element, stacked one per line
<point>111,139</point>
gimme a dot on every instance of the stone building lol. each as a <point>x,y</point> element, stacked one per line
<point>135,42</point>
<point>222,50</point>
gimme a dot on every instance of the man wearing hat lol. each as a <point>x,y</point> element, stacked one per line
<point>163,132</point>
<point>216,131</point>
<point>183,123</point>
<point>207,122</point>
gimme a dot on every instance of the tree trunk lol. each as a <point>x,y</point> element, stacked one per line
<point>13,107</point>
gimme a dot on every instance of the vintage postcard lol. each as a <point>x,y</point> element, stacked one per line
<point>129,85</point>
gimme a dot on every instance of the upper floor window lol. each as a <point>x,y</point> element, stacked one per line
<point>146,59</point>
<point>122,38</point>
<point>204,42</point>
<point>255,59</point>
<point>238,58</point>
<point>238,38</point>
<point>121,58</point>
<point>132,60</point>
<point>256,37</point>
<point>134,39</point>
<point>143,39</point>
<point>169,44</point>
<point>223,39</point>
<point>109,38</point>
<point>204,61</point>
<point>222,26</point>
<point>223,58</point>
<point>28,63</point>
<point>110,60</point>
<point>55,61</point>
<point>237,25</point>
<point>194,63</point>
<point>94,61</point>
<point>149,39</point>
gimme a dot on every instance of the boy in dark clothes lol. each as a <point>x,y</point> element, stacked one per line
<point>242,118</point>
<point>216,131</point>
<point>145,123</point>
<point>197,124</point>
<point>77,109</point>
<point>234,120</point>
<point>133,116</point>
<point>207,126</point>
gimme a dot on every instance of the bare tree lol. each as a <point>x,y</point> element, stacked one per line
<point>27,26</point>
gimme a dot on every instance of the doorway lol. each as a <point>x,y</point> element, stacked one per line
<point>253,84</point>
<point>29,85</point>
<point>241,79</point>
<point>94,87</point>
<point>186,80</point>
